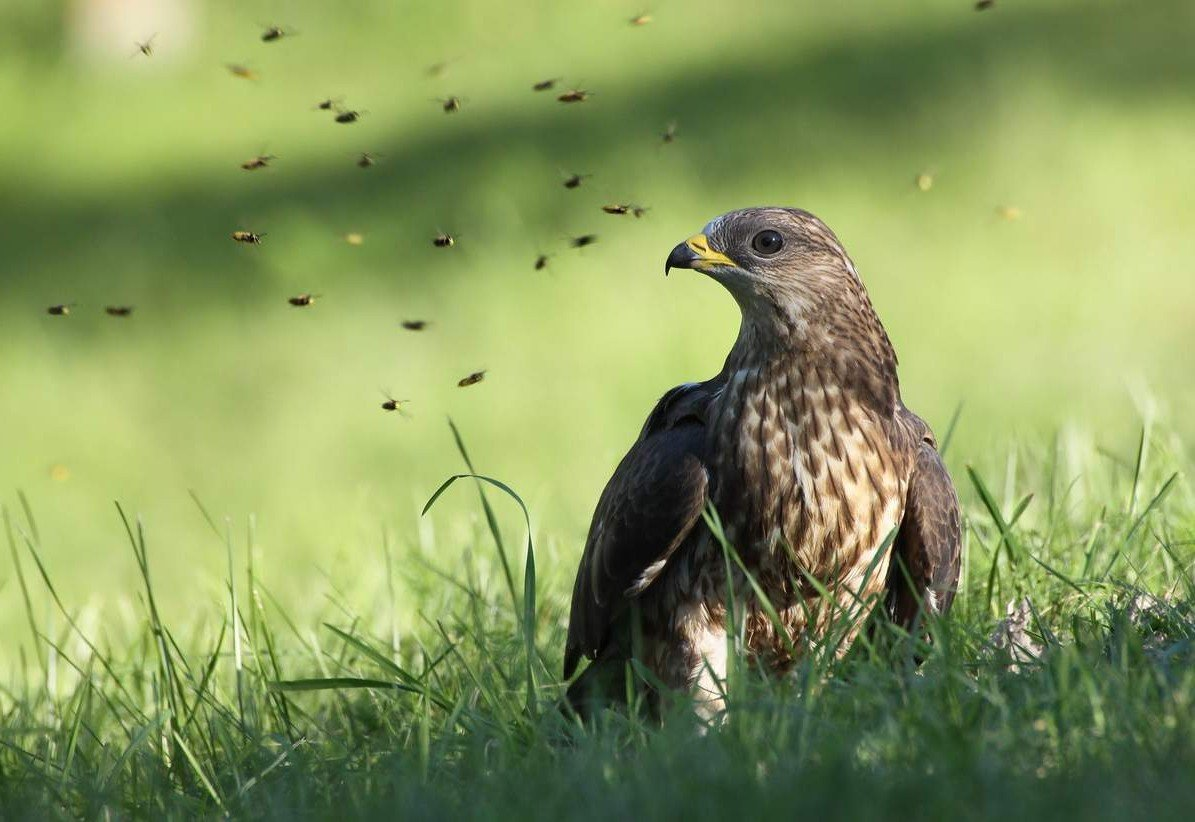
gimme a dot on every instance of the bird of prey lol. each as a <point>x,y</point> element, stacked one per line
<point>802,446</point>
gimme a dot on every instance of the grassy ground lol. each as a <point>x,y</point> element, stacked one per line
<point>1091,712</point>
<point>1061,333</point>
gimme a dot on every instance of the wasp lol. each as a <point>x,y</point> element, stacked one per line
<point>366,160</point>
<point>260,161</point>
<point>118,310</point>
<point>575,180</point>
<point>641,19</point>
<point>545,85</point>
<point>669,135</point>
<point>451,104</point>
<point>392,404</point>
<point>415,325</point>
<point>302,300</point>
<point>349,116</point>
<point>248,237</point>
<point>60,310</point>
<point>575,95</point>
<point>472,379</point>
<point>273,33</point>
<point>146,48</point>
<point>244,72</point>
<point>444,240</point>
<point>583,240</point>
<point>541,262</point>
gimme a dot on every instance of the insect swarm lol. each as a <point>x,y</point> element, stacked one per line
<point>248,237</point>
<point>575,95</point>
<point>146,48</point>
<point>260,161</point>
<point>392,404</point>
<point>575,180</point>
<point>472,379</point>
<point>302,300</point>
<point>273,33</point>
<point>244,72</point>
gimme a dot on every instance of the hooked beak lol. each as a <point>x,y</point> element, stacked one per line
<point>696,253</point>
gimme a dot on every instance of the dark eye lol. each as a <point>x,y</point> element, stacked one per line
<point>767,242</point>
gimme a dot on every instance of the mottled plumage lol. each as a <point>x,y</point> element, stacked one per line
<point>809,457</point>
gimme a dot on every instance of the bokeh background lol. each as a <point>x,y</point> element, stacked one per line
<point>1044,280</point>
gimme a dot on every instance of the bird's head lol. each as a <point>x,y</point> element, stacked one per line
<point>771,258</point>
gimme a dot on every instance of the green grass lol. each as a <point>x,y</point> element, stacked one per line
<point>1060,334</point>
<point>262,714</point>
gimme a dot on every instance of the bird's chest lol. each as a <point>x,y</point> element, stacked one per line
<point>806,481</point>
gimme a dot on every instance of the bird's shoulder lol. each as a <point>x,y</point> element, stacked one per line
<point>646,512</point>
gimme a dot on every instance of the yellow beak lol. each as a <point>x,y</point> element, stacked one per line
<point>696,253</point>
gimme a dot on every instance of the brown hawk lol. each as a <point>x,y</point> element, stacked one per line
<point>807,454</point>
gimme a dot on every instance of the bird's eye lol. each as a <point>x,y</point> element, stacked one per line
<point>767,242</point>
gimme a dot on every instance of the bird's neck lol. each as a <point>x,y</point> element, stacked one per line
<point>842,346</point>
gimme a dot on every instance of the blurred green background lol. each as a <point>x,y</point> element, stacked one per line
<point>120,183</point>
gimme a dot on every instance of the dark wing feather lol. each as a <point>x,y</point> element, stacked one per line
<point>925,567</point>
<point>649,507</point>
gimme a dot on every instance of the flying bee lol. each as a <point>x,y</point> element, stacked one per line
<point>365,160</point>
<point>443,240</point>
<point>617,209</point>
<point>575,180</point>
<point>669,135</point>
<point>354,238</point>
<point>349,116</point>
<point>639,211</point>
<point>260,161</point>
<point>273,33</point>
<point>641,19</point>
<point>302,300</point>
<point>541,262</point>
<point>575,95</point>
<point>244,72</point>
<point>328,104</point>
<point>118,310</point>
<point>146,48</point>
<point>60,310</point>
<point>450,104</point>
<point>1009,212</point>
<point>583,240</point>
<point>924,181</point>
<point>248,237</point>
<point>984,5</point>
<point>545,85</point>
<point>415,325</point>
<point>392,404</point>
<point>472,379</point>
